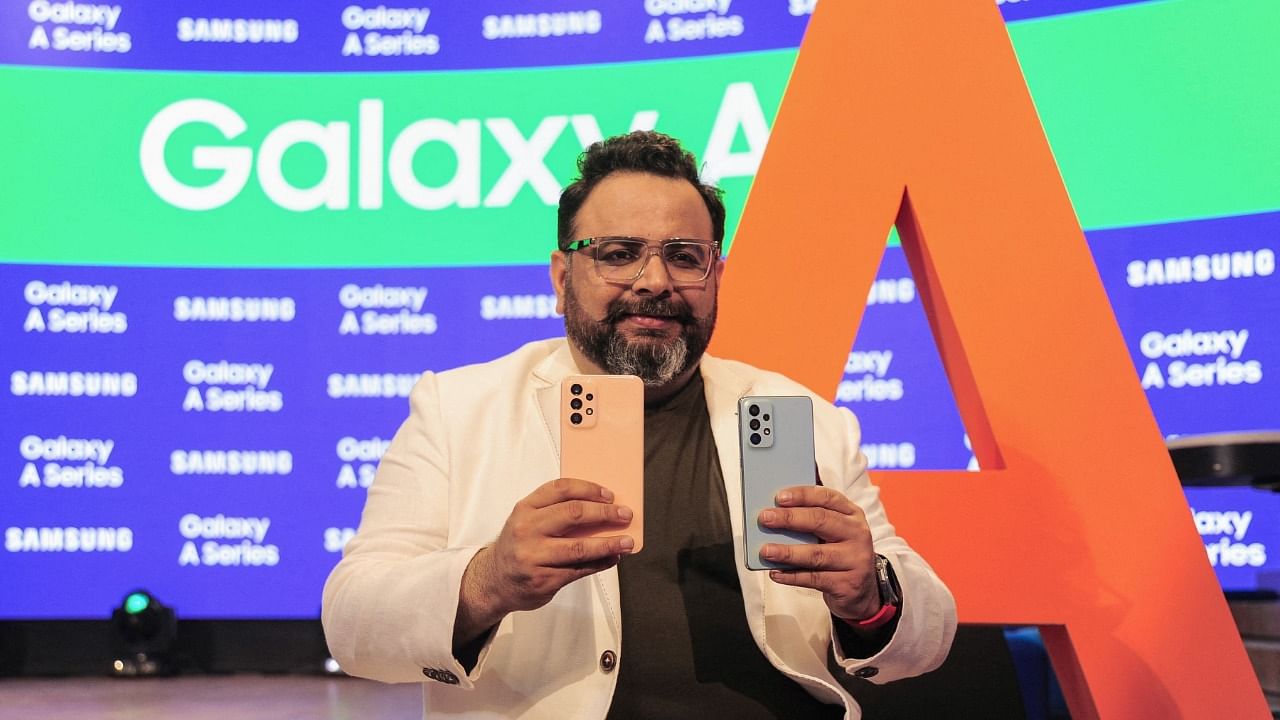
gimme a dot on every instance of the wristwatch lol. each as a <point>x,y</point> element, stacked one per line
<point>890,596</point>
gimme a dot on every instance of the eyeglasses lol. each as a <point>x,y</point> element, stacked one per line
<point>623,259</point>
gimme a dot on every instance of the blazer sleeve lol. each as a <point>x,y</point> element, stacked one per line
<point>927,622</point>
<point>390,604</point>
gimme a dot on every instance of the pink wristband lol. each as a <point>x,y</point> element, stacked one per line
<point>882,617</point>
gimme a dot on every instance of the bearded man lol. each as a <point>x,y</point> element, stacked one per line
<point>462,577</point>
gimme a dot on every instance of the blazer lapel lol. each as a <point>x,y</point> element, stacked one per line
<point>724,386</point>
<point>546,391</point>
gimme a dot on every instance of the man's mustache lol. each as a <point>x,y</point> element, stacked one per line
<point>677,310</point>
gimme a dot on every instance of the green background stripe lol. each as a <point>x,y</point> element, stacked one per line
<point>1156,112</point>
<point>1160,111</point>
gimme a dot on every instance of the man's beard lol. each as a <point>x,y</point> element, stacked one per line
<point>656,362</point>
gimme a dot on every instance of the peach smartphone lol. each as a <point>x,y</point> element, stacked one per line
<point>602,440</point>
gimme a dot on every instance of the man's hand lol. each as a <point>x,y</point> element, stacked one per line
<point>842,565</point>
<point>532,559</point>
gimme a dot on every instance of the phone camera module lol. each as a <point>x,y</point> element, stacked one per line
<point>576,404</point>
<point>754,410</point>
<point>755,438</point>
<point>755,424</point>
<point>576,418</point>
<point>576,389</point>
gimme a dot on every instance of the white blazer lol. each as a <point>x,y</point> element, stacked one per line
<point>480,438</point>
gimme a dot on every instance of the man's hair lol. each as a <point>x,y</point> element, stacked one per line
<point>642,151</point>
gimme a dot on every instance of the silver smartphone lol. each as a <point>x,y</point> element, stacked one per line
<point>775,439</point>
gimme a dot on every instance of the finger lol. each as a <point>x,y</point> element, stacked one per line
<point>559,577</point>
<point>816,496</point>
<point>582,552</point>
<point>817,580</point>
<point>562,489</point>
<point>826,557</point>
<point>593,567</point>
<point>835,586</point>
<point>827,525</point>
<point>562,518</point>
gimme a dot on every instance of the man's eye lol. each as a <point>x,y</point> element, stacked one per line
<point>684,258</point>
<point>617,255</point>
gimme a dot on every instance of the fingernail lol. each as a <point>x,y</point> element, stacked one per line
<point>768,517</point>
<point>627,543</point>
<point>607,494</point>
<point>768,552</point>
<point>624,513</point>
<point>784,497</point>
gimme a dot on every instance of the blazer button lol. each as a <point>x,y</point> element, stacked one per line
<point>866,672</point>
<point>608,661</point>
<point>443,676</point>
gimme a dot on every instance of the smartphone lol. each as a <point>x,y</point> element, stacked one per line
<point>775,439</point>
<point>602,440</point>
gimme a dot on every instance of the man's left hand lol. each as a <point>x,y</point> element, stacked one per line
<point>841,565</point>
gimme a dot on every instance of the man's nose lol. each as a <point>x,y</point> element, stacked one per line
<point>654,278</point>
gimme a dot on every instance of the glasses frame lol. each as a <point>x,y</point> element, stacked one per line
<point>713,247</point>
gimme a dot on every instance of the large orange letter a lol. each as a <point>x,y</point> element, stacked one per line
<point>916,112</point>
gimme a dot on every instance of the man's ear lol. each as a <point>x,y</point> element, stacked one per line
<point>559,271</point>
<point>719,271</point>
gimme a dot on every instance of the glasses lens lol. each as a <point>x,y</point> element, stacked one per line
<point>620,257</point>
<point>687,260</point>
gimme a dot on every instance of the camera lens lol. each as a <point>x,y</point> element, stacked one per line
<point>755,438</point>
<point>576,418</point>
<point>576,404</point>
<point>766,417</point>
<point>576,389</point>
<point>590,396</point>
<point>755,424</point>
<point>590,411</point>
<point>753,410</point>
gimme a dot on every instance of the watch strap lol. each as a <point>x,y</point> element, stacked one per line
<point>882,617</point>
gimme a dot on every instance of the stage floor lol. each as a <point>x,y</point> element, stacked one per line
<point>219,697</point>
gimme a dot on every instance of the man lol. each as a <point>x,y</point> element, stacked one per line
<point>460,574</point>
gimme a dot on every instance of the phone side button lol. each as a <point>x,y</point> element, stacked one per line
<point>608,661</point>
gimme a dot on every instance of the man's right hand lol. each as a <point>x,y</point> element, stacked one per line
<point>532,559</point>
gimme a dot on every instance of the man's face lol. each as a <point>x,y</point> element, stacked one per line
<point>652,327</point>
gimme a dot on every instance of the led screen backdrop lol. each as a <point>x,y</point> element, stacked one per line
<point>230,245</point>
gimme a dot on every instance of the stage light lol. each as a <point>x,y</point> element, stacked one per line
<point>136,603</point>
<point>143,630</point>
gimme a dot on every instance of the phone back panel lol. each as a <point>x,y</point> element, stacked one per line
<point>602,440</point>
<point>777,452</point>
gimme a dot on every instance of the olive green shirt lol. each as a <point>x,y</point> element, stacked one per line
<point>687,651</point>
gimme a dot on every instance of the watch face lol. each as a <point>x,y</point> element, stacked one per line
<point>888,582</point>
